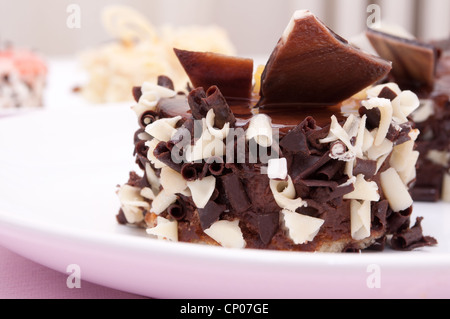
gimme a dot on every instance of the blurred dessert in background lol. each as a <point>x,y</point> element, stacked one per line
<point>23,76</point>
<point>140,52</point>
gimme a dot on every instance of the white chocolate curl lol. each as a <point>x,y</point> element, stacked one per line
<point>217,133</point>
<point>131,203</point>
<point>163,129</point>
<point>395,190</point>
<point>284,195</point>
<point>385,107</point>
<point>260,129</point>
<point>227,233</point>
<point>360,219</point>
<point>301,228</point>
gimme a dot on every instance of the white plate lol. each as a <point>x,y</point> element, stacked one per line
<point>58,176</point>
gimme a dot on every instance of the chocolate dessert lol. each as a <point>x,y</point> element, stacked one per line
<point>311,157</point>
<point>424,68</point>
<point>23,75</point>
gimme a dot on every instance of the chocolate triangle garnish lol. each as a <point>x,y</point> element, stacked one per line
<point>232,75</point>
<point>312,65</point>
<point>413,62</point>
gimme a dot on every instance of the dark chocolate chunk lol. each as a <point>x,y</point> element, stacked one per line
<point>413,62</point>
<point>268,225</point>
<point>387,93</point>
<point>235,193</point>
<point>233,75</point>
<point>120,217</point>
<point>412,238</point>
<point>373,117</point>
<point>367,168</point>
<point>312,66</point>
<point>210,214</point>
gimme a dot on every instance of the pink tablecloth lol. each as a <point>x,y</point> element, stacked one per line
<point>21,278</point>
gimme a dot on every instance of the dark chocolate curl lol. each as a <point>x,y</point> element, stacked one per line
<point>164,155</point>
<point>412,238</point>
<point>189,171</point>
<point>235,193</point>
<point>166,82</point>
<point>222,110</point>
<point>147,118</point>
<point>197,103</point>
<point>210,214</point>
<point>176,211</point>
<point>215,165</point>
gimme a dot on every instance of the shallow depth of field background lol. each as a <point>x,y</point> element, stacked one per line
<point>254,26</point>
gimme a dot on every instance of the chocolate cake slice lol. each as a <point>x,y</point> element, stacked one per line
<point>424,68</point>
<point>289,169</point>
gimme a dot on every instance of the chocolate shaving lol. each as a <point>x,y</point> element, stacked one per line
<point>137,93</point>
<point>176,211</point>
<point>398,221</point>
<point>268,225</point>
<point>367,168</point>
<point>164,155</point>
<point>197,103</point>
<point>235,192</point>
<point>147,118</point>
<point>121,219</point>
<point>387,93</point>
<point>189,171</point>
<point>210,214</point>
<point>412,238</point>
<point>379,212</point>
<point>166,82</point>
<point>222,111</point>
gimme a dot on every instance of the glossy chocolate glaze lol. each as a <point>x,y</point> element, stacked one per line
<point>284,117</point>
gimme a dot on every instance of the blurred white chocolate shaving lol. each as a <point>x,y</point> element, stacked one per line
<point>162,201</point>
<point>163,129</point>
<point>132,203</point>
<point>142,52</point>
<point>164,229</point>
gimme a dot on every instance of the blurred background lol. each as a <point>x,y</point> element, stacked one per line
<point>254,26</point>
